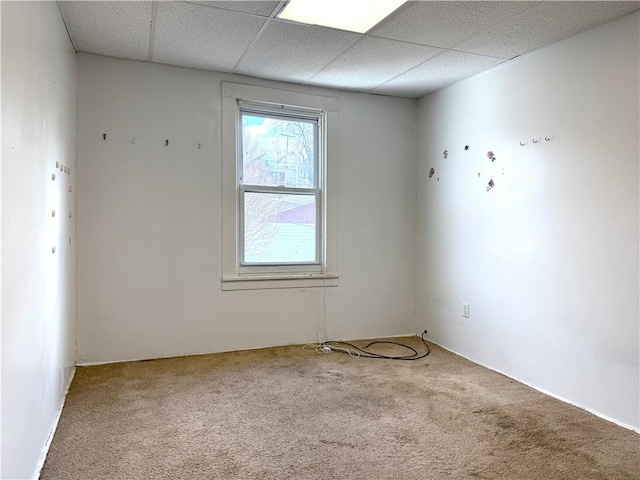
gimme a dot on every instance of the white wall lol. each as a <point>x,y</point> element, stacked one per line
<point>548,259</point>
<point>149,221</point>
<point>38,286</point>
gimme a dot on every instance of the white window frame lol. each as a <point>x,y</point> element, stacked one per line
<point>321,273</point>
<point>285,113</point>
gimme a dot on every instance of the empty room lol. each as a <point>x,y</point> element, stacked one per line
<point>320,239</point>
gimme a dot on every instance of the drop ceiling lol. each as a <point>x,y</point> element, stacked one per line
<point>420,48</point>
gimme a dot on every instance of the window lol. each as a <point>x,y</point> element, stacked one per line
<point>279,195</point>
<point>280,187</point>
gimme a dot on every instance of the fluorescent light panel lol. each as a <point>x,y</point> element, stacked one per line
<point>352,15</point>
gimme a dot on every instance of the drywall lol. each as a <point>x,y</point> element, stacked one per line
<point>150,219</point>
<point>38,286</point>
<point>548,258</point>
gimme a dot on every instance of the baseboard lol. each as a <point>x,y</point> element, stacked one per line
<point>541,390</point>
<point>363,339</point>
<point>80,363</point>
<point>45,450</point>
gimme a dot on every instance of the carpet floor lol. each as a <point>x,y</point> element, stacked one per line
<point>287,413</point>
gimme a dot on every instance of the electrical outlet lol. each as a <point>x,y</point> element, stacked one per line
<point>465,310</point>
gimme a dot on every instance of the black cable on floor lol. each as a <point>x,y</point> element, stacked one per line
<point>363,352</point>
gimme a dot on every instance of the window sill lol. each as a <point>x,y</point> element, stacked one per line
<point>260,282</point>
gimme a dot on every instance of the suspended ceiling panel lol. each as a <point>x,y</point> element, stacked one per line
<point>445,69</point>
<point>421,47</point>
<point>354,70</point>
<point>117,29</point>
<point>293,52</point>
<point>543,24</point>
<point>444,24</point>
<point>191,35</point>
<point>264,9</point>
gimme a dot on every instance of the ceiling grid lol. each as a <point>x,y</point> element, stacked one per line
<point>421,47</point>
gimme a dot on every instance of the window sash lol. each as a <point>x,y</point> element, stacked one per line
<point>316,194</point>
<point>289,115</point>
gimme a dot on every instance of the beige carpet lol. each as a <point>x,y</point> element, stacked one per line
<point>284,413</point>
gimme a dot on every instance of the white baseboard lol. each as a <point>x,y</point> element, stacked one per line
<point>541,390</point>
<point>81,363</point>
<point>45,450</point>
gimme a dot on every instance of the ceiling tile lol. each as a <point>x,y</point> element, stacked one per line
<point>117,29</point>
<point>443,24</point>
<point>262,8</point>
<point>447,68</point>
<point>192,35</point>
<point>543,24</point>
<point>293,52</point>
<point>371,62</point>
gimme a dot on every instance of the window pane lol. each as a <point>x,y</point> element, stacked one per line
<point>279,228</point>
<point>278,152</point>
